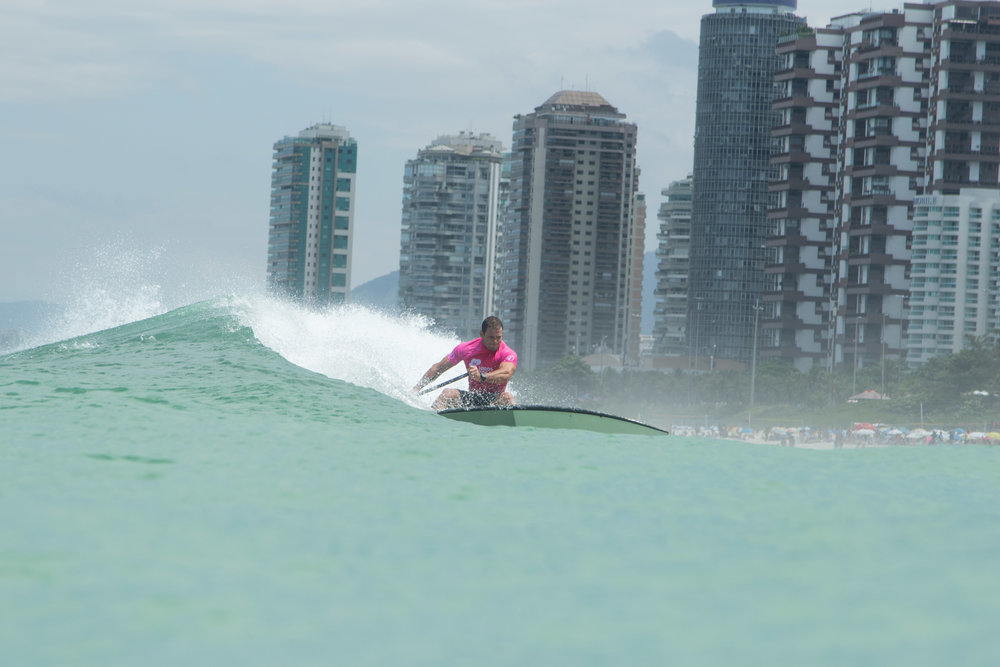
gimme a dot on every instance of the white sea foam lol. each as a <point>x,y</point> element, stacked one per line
<point>116,285</point>
<point>387,353</point>
<point>120,281</point>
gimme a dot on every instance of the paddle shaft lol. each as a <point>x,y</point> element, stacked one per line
<point>441,384</point>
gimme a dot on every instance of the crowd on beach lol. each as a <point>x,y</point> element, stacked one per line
<point>858,435</point>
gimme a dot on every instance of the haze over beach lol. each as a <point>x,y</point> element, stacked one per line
<point>145,131</point>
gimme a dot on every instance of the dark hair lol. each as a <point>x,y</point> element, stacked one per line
<point>491,322</point>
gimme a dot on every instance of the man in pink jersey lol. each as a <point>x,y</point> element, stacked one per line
<point>490,362</point>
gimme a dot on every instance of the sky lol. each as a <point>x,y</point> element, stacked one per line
<point>136,136</point>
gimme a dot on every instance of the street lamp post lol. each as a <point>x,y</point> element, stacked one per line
<point>753,361</point>
<point>697,330</point>
<point>854,381</point>
<point>883,355</point>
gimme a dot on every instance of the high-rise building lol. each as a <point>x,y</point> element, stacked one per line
<point>732,149</point>
<point>312,215</point>
<point>918,114</point>
<point>670,312</point>
<point>634,327</point>
<point>449,221</point>
<point>567,257</point>
<point>883,108</point>
<point>954,273</point>
<point>799,301</point>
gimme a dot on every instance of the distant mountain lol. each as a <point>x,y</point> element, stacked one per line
<point>380,293</point>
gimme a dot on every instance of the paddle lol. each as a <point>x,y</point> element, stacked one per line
<point>441,384</point>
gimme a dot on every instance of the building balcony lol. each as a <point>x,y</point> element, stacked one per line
<point>947,182</point>
<point>793,239</point>
<point>878,47</point>
<point>989,155</point>
<point>799,71</point>
<point>879,289</point>
<point>872,140</point>
<point>789,293</point>
<point>881,77</point>
<point>873,110</point>
<point>970,95</point>
<point>802,40</point>
<point>796,155</point>
<point>797,128</point>
<point>795,100</point>
<point>872,259</point>
<point>873,198</point>
<point>797,183</point>
<point>965,63</point>
<point>794,267</point>
<point>875,170</point>
<point>788,211</point>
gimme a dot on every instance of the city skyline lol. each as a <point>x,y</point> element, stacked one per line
<point>196,94</point>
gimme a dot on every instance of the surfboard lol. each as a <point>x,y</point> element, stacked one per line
<point>551,417</point>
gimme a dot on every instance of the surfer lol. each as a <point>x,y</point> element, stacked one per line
<point>490,363</point>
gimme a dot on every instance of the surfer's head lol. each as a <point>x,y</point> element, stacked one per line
<point>492,333</point>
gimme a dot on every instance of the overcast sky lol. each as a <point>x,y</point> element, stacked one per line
<point>136,136</point>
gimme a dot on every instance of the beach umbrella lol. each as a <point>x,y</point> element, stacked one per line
<point>993,435</point>
<point>894,431</point>
<point>976,435</point>
<point>864,431</point>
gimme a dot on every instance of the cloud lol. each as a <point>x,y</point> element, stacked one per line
<point>667,47</point>
<point>46,60</point>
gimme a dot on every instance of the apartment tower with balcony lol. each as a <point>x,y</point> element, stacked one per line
<point>310,233</point>
<point>450,210</point>
<point>955,263</point>
<point>798,313</point>
<point>884,106</point>
<point>569,236</point>
<point>955,273</point>
<point>918,116</point>
<point>671,292</point>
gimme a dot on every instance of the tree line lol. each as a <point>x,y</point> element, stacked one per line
<point>962,388</point>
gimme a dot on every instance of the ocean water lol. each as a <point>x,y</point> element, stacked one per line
<point>241,481</point>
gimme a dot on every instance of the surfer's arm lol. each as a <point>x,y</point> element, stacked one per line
<point>500,375</point>
<point>434,372</point>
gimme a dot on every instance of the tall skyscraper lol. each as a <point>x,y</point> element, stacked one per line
<point>312,215</point>
<point>449,221</point>
<point>732,148</point>
<point>567,256</point>
<point>634,327</point>
<point>799,301</point>
<point>670,312</point>
<point>882,168</point>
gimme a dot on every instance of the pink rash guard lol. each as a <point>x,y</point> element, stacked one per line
<point>474,353</point>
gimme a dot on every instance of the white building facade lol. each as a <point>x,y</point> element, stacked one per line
<point>955,272</point>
